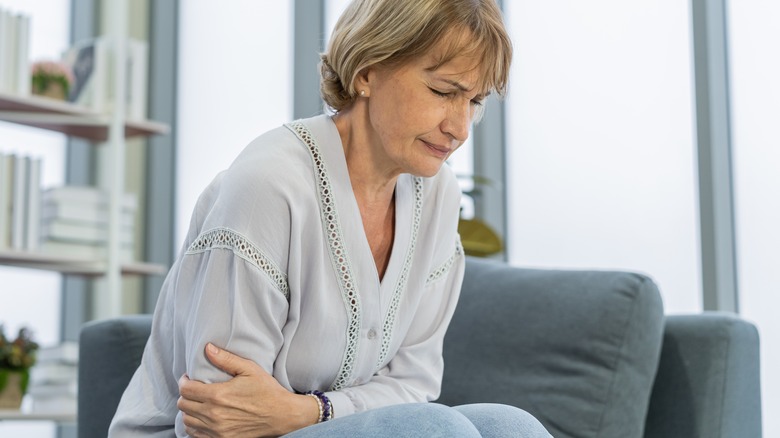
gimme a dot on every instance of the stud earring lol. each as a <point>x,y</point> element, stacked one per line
<point>362,92</point>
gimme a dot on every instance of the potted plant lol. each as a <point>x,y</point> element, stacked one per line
<point>51,79</point>
<point>476,236</point>
<point>16,358</point>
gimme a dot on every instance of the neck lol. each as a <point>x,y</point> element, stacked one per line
<point>373,180</point>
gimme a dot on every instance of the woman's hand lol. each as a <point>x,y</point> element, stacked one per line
<point>251,404</point>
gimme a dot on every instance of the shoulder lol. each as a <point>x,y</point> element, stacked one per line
<point>270,160</point>
<point>269,181</point>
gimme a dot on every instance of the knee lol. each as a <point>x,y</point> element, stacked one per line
<point>497,420</point>
<point>435,420</point>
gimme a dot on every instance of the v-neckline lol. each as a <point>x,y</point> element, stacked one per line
<point>340,213</point>
<point>348,206</point>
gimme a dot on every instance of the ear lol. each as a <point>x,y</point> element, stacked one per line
<point>363,81</point>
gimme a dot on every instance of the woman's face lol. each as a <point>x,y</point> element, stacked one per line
<point>418,113</point>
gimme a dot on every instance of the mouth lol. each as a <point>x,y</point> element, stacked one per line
<point>437,150</point>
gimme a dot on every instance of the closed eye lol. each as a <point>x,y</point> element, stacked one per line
<point>476,102</point>
<point>439,93</point>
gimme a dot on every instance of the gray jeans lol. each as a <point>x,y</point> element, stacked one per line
<point>429,420</point>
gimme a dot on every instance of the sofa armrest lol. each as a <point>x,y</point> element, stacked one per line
<point>708,382</point>
<point>109,353</point>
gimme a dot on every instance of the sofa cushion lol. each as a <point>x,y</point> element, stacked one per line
<point>577,349</point>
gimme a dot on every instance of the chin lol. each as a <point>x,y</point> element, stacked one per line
<point>427,171</point>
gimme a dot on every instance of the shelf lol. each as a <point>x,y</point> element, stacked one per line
<point>73,265</point>
<point>9,414</point>
<point>67,118</point>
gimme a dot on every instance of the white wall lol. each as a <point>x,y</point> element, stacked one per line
<point>755,70</point>
<point>235,82</point>
<point>600,146</point>
<point>29,297</point>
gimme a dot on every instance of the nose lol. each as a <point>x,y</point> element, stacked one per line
<point>458,120</point>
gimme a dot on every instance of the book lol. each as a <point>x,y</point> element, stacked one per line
<point>18,202</point>
<point>92,61</point>
<point>65,352</point>
<point>23,81</point>
<point>86,195</point>
<point>80,232</point>
<point>53,374</point>
<point>137,79</point>
<point>88,59</point>
<point>33,204</point>
<point>54,405</point>
<point>6,195</point>
<point>85,214</point>
<point>84,251</point>
<point>41,389</point>
<point>6,49</point>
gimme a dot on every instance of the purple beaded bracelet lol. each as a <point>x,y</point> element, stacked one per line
<point>327,407</point>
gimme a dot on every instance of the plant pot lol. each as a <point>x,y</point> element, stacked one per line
<point>52,90</point>
<point>13,384</point>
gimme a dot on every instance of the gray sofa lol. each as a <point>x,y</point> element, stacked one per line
<point>589,353</point>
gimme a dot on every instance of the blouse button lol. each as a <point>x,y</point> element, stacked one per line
<point>372,334</point>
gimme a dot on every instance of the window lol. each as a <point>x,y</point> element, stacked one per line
<point>235,82</point>
<point>755,98</point>
<point>600,151</point>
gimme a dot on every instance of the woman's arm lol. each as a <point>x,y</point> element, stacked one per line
<point>240,305</point>
<point>413,374</point>
<point>250,404</point>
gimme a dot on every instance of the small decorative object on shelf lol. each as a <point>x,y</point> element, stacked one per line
<point>16,358</point>
<point>476,235</point>
<point>52,79</point>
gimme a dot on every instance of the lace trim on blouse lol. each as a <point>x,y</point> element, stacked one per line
<point>226,238</point>
<point>338,255</point>
<point>442,270</point>
<point>403,279</point>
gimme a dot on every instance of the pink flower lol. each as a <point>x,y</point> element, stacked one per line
<point>53,69</point>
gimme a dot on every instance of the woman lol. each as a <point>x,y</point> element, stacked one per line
<point>322,268</point>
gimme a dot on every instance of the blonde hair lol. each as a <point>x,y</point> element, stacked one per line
<point>392,32</point>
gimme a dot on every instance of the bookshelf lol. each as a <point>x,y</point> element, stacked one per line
<point>75,121</point>
<point>11,414</point>
<point>73,265</point>
<point>107,131</point>
<point>69,119</point>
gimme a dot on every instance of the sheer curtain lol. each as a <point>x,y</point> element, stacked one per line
<point>755,97</point>
<point>601,156</point>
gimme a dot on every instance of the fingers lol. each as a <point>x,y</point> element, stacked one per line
<point>229,362</point>
<point>192,389</point>
<point>189,407</point>
<point>194,427</point>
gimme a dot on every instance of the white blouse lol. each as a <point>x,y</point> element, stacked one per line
<point>276,268</point>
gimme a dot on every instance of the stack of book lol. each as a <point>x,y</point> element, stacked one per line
<point>53,385</point>
<point>75,222</point>
<point>20,202</point>
<point>14,53</point>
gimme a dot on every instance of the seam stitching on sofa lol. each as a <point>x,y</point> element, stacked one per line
<point>628,322</point>
<point>726,354</point>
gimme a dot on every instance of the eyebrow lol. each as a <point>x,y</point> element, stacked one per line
<point>457,85</point>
